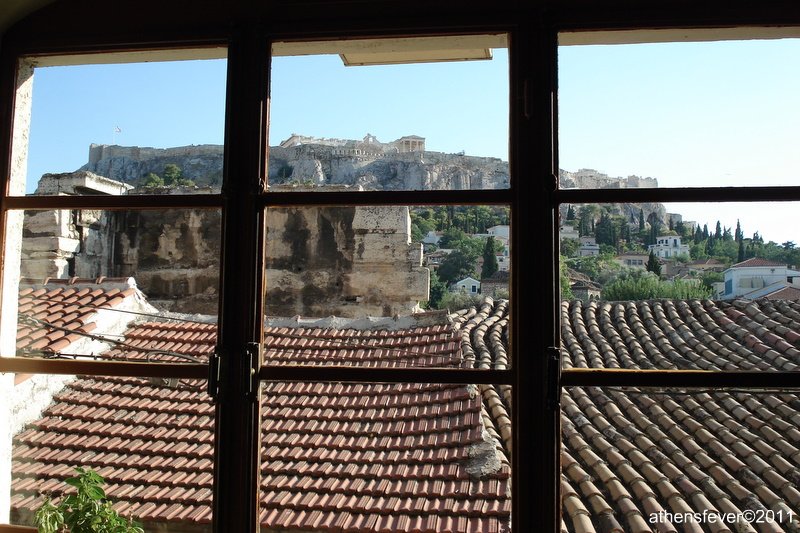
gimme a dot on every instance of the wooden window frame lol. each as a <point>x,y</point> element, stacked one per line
<point>246,29</point>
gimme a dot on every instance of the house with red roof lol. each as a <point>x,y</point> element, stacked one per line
<point>335,456</point>
<point>757,277</point>
<point>434,458</point>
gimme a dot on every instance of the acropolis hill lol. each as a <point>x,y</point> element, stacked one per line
<point>402,164</point>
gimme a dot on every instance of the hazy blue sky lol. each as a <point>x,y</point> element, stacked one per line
<point>688,114</point>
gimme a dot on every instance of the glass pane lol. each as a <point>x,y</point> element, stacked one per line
<point>123,127</point>
<point>390,114</point>
<point>651,288</point>
<point>150,439</point>
<point>385,457</point>
<point>678,114</point>
<point>679,460</point>
<point>434,273</point>
<point>86,276</point>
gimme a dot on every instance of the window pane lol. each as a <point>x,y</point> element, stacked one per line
<point>386,457</point>
<point>86,276</point>
<point>651,289</point>
<point>151,439</point>
<point>121,126</point>
<point>679,460</point>
<point>390,114</point>
<point>358,269</point>
<point>678,114</point>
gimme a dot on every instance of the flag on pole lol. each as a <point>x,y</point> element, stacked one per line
<point>117,130</point>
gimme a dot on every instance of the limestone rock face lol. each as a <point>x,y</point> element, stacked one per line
<point>310,164</point>
<point>587,178</point>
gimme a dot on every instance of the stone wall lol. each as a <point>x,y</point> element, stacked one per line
<point>344,261</point>
<point>327,162</point>
<point>587,178</point>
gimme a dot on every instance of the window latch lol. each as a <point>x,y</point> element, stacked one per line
<point>253,355</point>
<point>553,378</point>
<point>214,376</point>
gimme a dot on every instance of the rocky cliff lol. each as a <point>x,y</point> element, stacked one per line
<point>310,164</point>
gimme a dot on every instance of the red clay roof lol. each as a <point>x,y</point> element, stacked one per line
<point>628,453</point>
<point>70,304</point>
<point>336,457</point>
<point>786,293</point>
<point>757,262</point>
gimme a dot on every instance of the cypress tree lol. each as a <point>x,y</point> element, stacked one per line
<point>489,259</point>
<point>653,264</point>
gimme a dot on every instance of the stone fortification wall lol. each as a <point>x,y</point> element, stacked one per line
<point>374,170</point>
<point>348,262</point>
<point>369,165</point>
<point>199,163</point>
<point>587,178</point>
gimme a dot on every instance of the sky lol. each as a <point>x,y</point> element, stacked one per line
<point>687,114</point>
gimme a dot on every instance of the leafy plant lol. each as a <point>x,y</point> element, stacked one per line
<point>85,511</point>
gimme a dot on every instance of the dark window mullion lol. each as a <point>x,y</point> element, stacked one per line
<point>535,419</point>
<point>27,365</point>
<point>385,375</point>
<point>237,429</point>
<point>346,198</point>
<point>679,378</point>
<point>677,194</point>
<point>107,202</point>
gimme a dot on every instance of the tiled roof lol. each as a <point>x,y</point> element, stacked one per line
<point>392,457</point>
<point>53,314</point>
<point>786,293</point>
<point>757,262</point>
<point>336,457</point>
<point>629,453</point>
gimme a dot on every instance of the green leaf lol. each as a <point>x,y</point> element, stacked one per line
<point>95,493</point>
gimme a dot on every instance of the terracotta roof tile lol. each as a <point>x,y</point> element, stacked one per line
<point>43,307</point>
<point>365,457</point>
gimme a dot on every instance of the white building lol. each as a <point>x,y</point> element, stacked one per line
<point>633,260</point>
<point>433,237</point>
<point>468,285</point>
<point>667,246</point>
<point>749,277</point>
<point>567,232</point>
<point>588,247</point>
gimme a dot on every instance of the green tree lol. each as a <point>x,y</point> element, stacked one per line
<point>653,264</point>
<point>709,278</point>
<point>459,264</point>
<point>451,237</point>
<point>151,180</point>
<point>642,285</point>
<point>566,290</point>
<point>459,300</point>
<point>570,213</point>
<point>605,231</point>
<point>489,259</point>
<point>569,247</point>
<point>741,255</point>
<point>172,174</point>
<point>437,291</point>
<point>641,220</point>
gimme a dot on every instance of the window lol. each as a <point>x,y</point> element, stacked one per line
<point>630,418</point>
<point>562,354</point>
